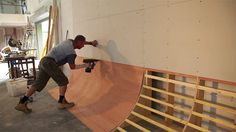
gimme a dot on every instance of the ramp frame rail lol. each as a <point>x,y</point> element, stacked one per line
<point>197,115</point>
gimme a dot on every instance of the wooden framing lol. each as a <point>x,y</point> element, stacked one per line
<point>49,32</point>
<point>198,108</point>
<point>170,99</point>
<point>52,28</point>
<point>196,115</point>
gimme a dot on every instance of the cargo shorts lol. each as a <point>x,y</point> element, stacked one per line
<point>49,68</point>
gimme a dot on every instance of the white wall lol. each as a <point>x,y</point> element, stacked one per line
<point>39,9</point>
<point>34,5</point>
<point>66,17</point>
<point>187,36</point>
<point>12,20</point>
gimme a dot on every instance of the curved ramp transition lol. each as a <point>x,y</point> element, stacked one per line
<point>182,103</point>
<point>113,98</point>
<point>104,97</point>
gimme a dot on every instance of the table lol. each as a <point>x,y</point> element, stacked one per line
<point>19,66</point>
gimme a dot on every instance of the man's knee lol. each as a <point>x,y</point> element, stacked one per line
<point>63,82</point>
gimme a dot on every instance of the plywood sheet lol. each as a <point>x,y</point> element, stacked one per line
<point>184,36</point>
<point>105,97</point>
<point>191,37</point>
<point>120,38</point>
<point>217,48</point>
<point>67,24</point>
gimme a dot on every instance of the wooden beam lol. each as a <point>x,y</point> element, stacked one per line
<point>167,104</point>
<point>199,107</point>
<point>153,122</point>
<point>170,99</point>
<point>226,109</point>
<point>49,30</point>
<point>196,107</point>
<point>196,114</point>
<point>172,117</point>
<point>190,85</point>
<point>137,126</point>
<point>121,129</point>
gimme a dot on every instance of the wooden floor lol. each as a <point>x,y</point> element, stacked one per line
<point>104,97</point>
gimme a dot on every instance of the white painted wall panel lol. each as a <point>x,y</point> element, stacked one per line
<point>156,38</point>
<point>187,36</point>
<point>173,33</point>
<point>120,35</point>
<point>218,41</point>
<point>13,20</point>
<point>34,5</point>
<point>66,17</point>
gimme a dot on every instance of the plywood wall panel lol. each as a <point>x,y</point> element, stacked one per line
<point>85,9</point>
<point>104,97</point>
<point>184,36</point>
<point>66,17</point>
<point>218,46</point>
<point>155,37</point>
<point>120,36</point>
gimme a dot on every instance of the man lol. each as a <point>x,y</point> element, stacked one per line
<point>49,67</point>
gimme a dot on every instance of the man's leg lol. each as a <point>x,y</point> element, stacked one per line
<point>52,69</point>
<point>40,82</point>
<point>62,90</point>
<point>22,106</point>
<point>59,77</point>
<point>63,104</point>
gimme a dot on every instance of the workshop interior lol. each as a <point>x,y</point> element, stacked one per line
<point>159,65</point>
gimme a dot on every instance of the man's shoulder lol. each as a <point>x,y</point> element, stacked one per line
<point>66,42</point>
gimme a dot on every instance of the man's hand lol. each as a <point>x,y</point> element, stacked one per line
<point>94,43</point>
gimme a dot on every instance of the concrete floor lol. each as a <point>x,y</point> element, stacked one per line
<point>3,72</point>
<point>44,118</point>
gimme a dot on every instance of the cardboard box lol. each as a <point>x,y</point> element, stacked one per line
<point>16,87</point>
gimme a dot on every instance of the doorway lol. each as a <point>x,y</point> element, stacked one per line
<point>42,34</point>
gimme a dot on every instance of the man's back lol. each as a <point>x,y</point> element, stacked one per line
<point>61,52</point>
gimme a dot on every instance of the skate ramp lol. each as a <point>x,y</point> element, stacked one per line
<point>104,97</point>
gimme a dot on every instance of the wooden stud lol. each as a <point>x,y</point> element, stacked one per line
<point>137,126</point>
<point>153,122</point>
<point>167,104</point>
<point>148,81</point>
<point>200,115</point>
<point>195,114</point>
<point>170,99</point>
<point>172,117</point>
<point>55,9</point>
<point>190,85</point>
<point>226,109</point>
<point>196,107</point>
<point>49,30</point>
<point>223,108</point>
<point>199,107</point>
<point>121,129</point>
<point>232,111</point>
<point>218,121</point>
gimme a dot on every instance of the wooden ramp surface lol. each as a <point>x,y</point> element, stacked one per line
<point>104,97</point>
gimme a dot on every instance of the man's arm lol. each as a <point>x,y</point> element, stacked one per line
<point>93,43</point>
<point>78,66</point>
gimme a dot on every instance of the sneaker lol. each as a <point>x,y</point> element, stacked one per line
<point>65,104</point>
<point>23,108</point>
